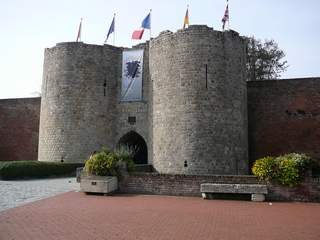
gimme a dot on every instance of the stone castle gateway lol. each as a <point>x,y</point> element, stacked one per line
<point>191,118</point>
<point>194,118</point>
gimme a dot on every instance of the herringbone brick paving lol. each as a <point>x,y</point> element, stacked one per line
<point>76,216</point>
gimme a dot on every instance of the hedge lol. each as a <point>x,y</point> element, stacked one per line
<point>288,169</point>
<point>35,169</point>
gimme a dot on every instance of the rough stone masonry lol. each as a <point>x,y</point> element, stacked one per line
<point>192,116</point>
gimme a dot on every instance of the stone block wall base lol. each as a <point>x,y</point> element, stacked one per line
<point>103,185</point>
<point>257,197</point>
<point>205,196</point>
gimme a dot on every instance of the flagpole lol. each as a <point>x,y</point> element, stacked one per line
<point>81,31</point>
<point>114,30</point>
<point>150,23</point>
<point>228,15</point>
<point>188,16</point>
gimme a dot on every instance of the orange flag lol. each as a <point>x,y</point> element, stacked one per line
<point>186,19</point>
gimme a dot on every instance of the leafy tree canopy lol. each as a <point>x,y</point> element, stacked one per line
<point>264,60</point>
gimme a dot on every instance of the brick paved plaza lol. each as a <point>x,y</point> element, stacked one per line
<point>77,216</point>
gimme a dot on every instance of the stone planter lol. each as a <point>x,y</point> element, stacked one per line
<point>98,184</point>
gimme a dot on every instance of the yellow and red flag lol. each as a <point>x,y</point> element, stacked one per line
<point>186,19</point>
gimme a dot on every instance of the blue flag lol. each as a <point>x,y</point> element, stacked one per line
<point>146,23</point>
<point>111,29</point>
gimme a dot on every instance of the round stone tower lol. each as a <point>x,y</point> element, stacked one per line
<point>199,103</point>
<point>78,99</point>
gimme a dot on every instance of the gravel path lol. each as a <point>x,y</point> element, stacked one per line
<point>16,193</point>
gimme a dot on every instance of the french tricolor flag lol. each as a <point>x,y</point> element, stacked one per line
<point>146,24</point>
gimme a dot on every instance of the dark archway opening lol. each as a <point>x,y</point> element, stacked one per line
<point>134,140</point>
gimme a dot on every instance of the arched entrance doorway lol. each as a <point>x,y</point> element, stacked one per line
<point>133,139</point>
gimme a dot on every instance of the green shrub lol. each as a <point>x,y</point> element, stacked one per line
<point>265,168</point>
<point>291,168</point>
<point>36,169</point>
<point>302,161</point>
<point>107,163</point>
<point>286,169</point>
<point>288,173</point>
<point>103,163</point>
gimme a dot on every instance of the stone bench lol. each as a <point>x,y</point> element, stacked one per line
<point>257,191</point>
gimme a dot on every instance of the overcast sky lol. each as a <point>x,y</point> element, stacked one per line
<point>29,26</point>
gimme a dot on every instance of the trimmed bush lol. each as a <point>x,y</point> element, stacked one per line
<point>265,168</point>
<point>35,169</point>
<point>288,172</point>
<point>107,163</point>
<point>291,168</point>
<point>286,169</point>
<point>103,163</point>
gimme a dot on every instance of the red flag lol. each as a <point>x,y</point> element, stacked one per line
<point>137,34</point>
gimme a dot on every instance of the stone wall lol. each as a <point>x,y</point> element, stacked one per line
<point>78,100</point>
<point>19,128</point>
<point>284,116</point>
<point>193,115</point>
<point>308,191</point>
<point>199,108</point>
<point>137,109</point>
<point>81,109</point>
<point>175,184</point>
<point>189,185</point>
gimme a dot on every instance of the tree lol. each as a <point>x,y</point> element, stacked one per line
<point>264,60</point>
